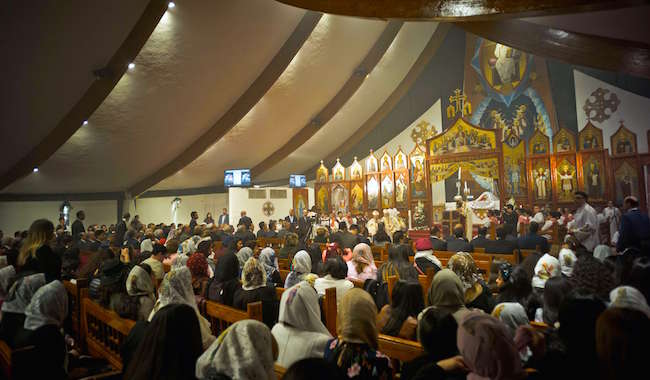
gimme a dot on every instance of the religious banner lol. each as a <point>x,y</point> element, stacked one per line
<point>590,138</point>
<point>626,177</point>
<point>340,197</point>
<point>514,170</point>
<point>593,175</point>
<point>401,189</point>
<point>356,197</point>
<point>300,200</point>
<point>356,172</point>
<point>462,137</point>
<point>540,177</point>
<point>563,141</point>
<point>387,191</point>
<point>418,174</point>
<point>322,197</point>
<point>372,191</point>
<point>623,142</point>
<point>566,177</point>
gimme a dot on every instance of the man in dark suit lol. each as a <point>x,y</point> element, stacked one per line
<point>437,243</point>
<point>509,218</point>
<point>78,226</point>
<point>303,224</point>
<point>224,218</point>
<point>457,242</point>
<point>480,241</point>
<point>635,227</point>
<point>502,244</point>
<point>293,221</point>
<point>193,221</point>
<point>120,229</point>
<point>532,240</point>
<point>245,221</point>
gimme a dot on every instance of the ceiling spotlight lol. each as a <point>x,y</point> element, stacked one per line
<point>85,122</point>
<point>256,186</point>
<point>131,66</point>
<point>171,5</point>
<point>35,169</point>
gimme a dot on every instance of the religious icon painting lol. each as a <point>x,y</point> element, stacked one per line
<point>401,189</point>
<point>400,160</point>
<point>339,197</point>
<point>372,166</point>
<point>538,143</point>
<point>419,214</point>
<point>541,177</point>
<point>623,141</point>
<point>372,191</point>
<point>626,175</point>
<point>338,171</point>
<point>356,197</point>
<point>502,67</point>
<point>387,191</point>
<point>565,171</point>
<point>514,169</point>
<point>593,175</point>
<point>591,137</point>
<point>300,200</point>
<point>563,141</point>
<point>322,198</point>
<point>418,174</point>
<point>385,163</point>
<point>321,173</point>
<point>356,171</point>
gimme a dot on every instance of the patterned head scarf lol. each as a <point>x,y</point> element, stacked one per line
<point>49,306</point>
<point>146,246</point>
<point>7,278</point>
<point>465,268</point>
<point>188,247</point>
<point>198,265</point>
<point>601,252</point>
<point>139,283</point>
<point>547,266</point>
<point>363,254</point>
<point>488,349</point>
<point>243,255</point>
<point>21,293</point>
<point>243,351</point>
<point>299,309</point>
<point>357,318</point>
<point>446,292</point>
<point>267,258</point>
<point>512,314</point>
<point>627,297</point>
<point>505,269</point>
<point>301,262</point>
<point>567,259</point>
<point>180,261</point>
<point>253,275</point>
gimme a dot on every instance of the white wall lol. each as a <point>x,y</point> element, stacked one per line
<point>157,210</point>
<point>238,200</point>
<point>16,216</point>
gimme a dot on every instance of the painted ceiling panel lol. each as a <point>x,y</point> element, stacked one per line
<point>47,67</point>
<point>200,58</point>
<point>327,59</point>
<point>388,73</point>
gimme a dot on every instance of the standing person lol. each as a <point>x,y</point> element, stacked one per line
<point>635,227</point>
<point>293,221</point>
<point>613,215</point>
<point>135,223</point>
<point>194,216</point>
<point>223,218</point>
<point>585,223</point>
<point>245,220</point>
<point>208,218</point>
<point>303,224</point>
<point>36,255</point>
<point>121,228</point>
<point>78,226</point>
<point>510,217</point>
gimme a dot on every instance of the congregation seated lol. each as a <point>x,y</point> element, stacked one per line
<point>334,275</point>
<point>7,278</point>
<point>400,238</point>
<point>301,267</point>
<point>381,237</point>
<point>35,255</point>
<point>555,291</point>
<point>424,257</point>
<point>501,245</point>
<point>243,255</point>
<point>268,260</point>
<point>290,247</point>
<point>139,284</point>
<point>513,284</point>
<point>397,265</point>
<point>446,293</point>
<point>14,306</point>
<point>313,369</point>
<point>199,269</point>
<point>343,237</point>
<point>532,240</point>
<point>399,318</point>
<point>481,240</point>
<point>316,255</point>
<point>362,266</point>
<point>457,242</point>
<point>321,235</point>
<point>255,288</point>
<point>476,292</point>
<point>225,282</point>
<point>437,244</point>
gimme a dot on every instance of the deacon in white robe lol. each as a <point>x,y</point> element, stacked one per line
<point>584,225</point>
<point>613,215</point>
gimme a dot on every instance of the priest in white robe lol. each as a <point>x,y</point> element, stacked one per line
<point>584,225</point>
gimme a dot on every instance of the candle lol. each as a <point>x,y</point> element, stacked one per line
<point>459,173</point>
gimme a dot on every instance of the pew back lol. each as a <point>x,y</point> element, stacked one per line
<point>221,316</point>
<point>399,349</point>
<point>77,291</point>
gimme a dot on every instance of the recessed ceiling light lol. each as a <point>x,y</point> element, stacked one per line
<point>256,186</point>
<point>131,66</point>
<point>35,169</point>
<point>171,5</point>
<point>85,122</point>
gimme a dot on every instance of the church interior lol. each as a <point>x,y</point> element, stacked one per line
<point>290,189</point>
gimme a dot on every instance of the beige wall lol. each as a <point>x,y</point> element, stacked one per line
<point>156,210</point>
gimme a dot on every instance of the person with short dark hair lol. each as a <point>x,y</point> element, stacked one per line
<point>481,240</point>
<point>437,244</point>
<point>585,225</point>
<point>532,240</point>
<point>457,242</point>
<point>334,275</point>
<point>634,230</point>
<point>121,228</point>
<point>501,244</point>
<point>78,226</point>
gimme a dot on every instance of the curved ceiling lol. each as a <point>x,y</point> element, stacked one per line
<point>217,85</point>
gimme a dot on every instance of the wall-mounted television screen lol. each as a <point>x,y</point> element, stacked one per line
<point>297,180</point>
<point>237,178</point>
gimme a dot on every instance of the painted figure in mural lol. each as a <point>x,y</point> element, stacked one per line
<point>590,142</point>
<point>373,191</point>
<point>563,145</point>
<point>387,193</point>
<point>385,163</point>
<point>321,175</point>
<point>505,64</point>
<point>514,175</point>
<point>356,172</point>
<point>624,146</point>
<point>399,163</point>
<point>400,189</point>
<point>417,178</point>
<point>338,174</point>
<point>372,165</point>
<point>322,199</point>
<point>539,148</point>
<point>541,176</point>
<point>566,175</point>
<point>339,201</point>
<point>356,198</point>
<point>593,180</point>
<point>626,186</point>
<point>300,204</point>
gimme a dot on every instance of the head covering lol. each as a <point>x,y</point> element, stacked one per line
<point>146,246</point>
<point>301,262</point>
<point>331,250</point>
<point>357,318</point>
<point>243,255</point>
<point>423,244</point>
<point>567,259</point>
<point>464,266</point>
<point>488,349</point>
<point>363,253</point>
<point>267,258</point>
<point>547,266</point>
<point>446,292</point>
<point>601,252</point>
<point>188,247</point>
<point>512,314</point>
<point>243,351</point>
<point>227,268</point>
<point>7,278</point>
<point>176,287</point>
<point>180,261</point>
<point>21,293</point>
<point>505,269</point>
<point>139,283</point>
<point>627,297</point>
<point>253,275</point>
<point>299,308</point>
<point>49,306</point>
<point>198,265</point>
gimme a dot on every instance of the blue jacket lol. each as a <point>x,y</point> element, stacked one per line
<point>634,230</point>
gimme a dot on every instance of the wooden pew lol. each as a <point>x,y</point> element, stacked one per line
<point>399,349</point>
<point>279,292</point>
<point>279,372</point>
<point>13,361</point>
<point>77,291</point>
<point>283,274</point>
<point>221,316</point>
<point>105,332</point>
<point>379,253</point>
<point>526,252</point>
<point>357,283</point>
<point>274,243</point>
<point>512,258</point>
<point>492,231</point>
<point>329,310</point>
<point>479,250</point>
<point>424,281</point>
<point>283,264</point>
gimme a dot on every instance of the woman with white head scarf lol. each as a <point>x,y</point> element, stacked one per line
<point>567,259</point>
<point>243,255</point>
<point>7,278</point>
<point>254,288</point>
<point>512,314</point>
<point>246,350</point>
<point>13,308</point>
<point>627,297</point>
<point>601,252</point>
<point>547,266</point>
<point>139,284</point>
<point>176,287</point>
<point>301,266</point>
<point>270,263</point>
<point>362,266</point>
<point>299,332</point>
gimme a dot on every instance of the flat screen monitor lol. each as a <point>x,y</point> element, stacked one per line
<point>297,180</point>
<point>237,178</point>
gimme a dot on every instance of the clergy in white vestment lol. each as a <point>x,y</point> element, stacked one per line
<point>613,215</point>
<point>584,225</point>
<point>372,224</point>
